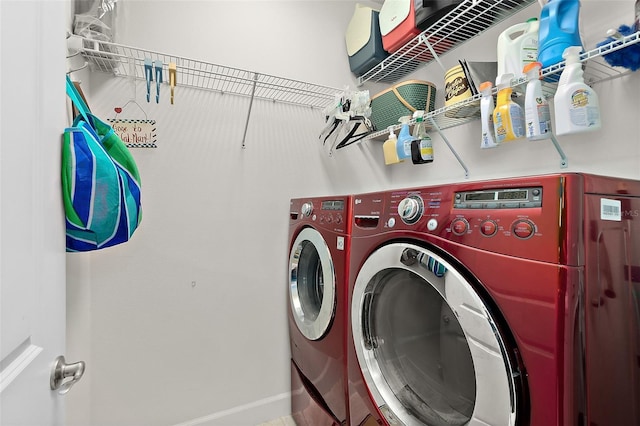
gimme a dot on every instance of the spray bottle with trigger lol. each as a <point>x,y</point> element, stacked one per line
<point>486,115</point>
<point>508,117</point>
<point>421,145</point>
<point>536,108</point>
<point>577,108</point>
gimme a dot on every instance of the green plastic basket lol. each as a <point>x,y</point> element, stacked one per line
<point>400,100</point>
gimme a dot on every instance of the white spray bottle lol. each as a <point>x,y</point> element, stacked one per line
<point>486,115</point>
<point>577,108</point>
<point>537,115</point>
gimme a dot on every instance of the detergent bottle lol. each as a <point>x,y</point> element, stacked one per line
<point>508,117</point>
<point>421,146</point>
<point>390,150</point>
<point>558,30</point>
<point>537,115</point>
<point>576,105</point>
<point>518,46</point>
<point>486,115</point>
<point>404,139</point>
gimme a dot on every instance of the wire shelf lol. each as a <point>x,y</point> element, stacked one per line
<point>127,61</point>
<point>596,70</point>
<point>467,20</point>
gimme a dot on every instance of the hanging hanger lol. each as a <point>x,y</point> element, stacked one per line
<point>132,82</point>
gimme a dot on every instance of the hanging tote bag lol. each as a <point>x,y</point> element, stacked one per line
<point>100,183</point>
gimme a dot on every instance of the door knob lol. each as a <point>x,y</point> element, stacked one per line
<point>61,371</point>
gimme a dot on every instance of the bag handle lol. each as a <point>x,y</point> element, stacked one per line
<point>77,100</point>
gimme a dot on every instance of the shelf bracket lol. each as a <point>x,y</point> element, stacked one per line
<point>564,163</point>
<point>444,138</point>
<point>246,125</point>
<point>433,52</point>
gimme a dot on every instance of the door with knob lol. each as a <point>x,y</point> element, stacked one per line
<point>32,246</point>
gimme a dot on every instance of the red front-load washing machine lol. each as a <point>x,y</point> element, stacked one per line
<point>505,302</point>
<point>319,233</point>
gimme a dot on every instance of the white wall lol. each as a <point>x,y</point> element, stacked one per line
<point>187,322</point>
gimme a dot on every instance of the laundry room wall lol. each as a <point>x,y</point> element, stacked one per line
<point>186,323</point>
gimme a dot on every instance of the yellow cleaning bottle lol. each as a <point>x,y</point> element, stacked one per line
<point>390,149</point>
<point>508,116</point>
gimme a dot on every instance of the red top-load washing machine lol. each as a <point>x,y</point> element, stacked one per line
<point>505,302</point>
<point>319,233</point>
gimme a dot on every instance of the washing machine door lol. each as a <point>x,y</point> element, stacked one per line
<point>428,348</point>
<point>312,284</point>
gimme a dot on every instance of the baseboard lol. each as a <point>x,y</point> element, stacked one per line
<point>251,414</point>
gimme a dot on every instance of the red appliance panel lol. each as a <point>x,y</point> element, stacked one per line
<point>612,308</point>
<point>322,362</point>
<point>306,408</point>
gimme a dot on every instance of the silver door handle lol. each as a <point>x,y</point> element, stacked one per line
<point>61,371</point>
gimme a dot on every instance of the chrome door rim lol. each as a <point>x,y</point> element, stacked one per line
<point>495,401</point>
<point>312,329</point>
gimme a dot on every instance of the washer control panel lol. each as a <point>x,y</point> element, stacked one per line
<point>511,198</point>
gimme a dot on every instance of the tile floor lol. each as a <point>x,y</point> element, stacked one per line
<point>282,421</point>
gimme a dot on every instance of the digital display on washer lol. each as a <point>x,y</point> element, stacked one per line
<point>480,196</point>
<point>512,195</point>
<point>499,198</point>
<point>333,205</point>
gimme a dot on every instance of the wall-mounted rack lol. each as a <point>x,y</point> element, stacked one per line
<point>128,61</point>
<point>467,20</point>
<point>596,70</point>
<point>114,58</point>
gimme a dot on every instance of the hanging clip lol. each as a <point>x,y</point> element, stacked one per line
<point>172,78</point>
<point>158,69</point>
<point>148,72</point>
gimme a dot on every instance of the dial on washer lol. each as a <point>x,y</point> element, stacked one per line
<point>410,209</point>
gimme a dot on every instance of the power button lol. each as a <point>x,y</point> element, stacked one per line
<point>523,229</point>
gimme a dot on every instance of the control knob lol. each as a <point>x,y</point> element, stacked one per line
<point>410,209</point>
<point>306,209</point>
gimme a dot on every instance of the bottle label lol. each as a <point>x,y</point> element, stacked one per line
<point>582,112</point>
<point>455,88</point>
<point>426,149</point>
<point>538,118</point>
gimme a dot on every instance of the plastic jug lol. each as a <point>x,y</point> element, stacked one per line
<point>558,30</point>
<point>517,47</point>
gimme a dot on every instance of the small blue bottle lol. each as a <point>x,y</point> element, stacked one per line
<point>403,146</point>
<point>558,30</point>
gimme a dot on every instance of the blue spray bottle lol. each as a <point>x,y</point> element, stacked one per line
<point>403,146</point>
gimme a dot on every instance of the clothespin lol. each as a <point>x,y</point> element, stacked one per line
<point>172,78</point>
<point>158,68</point>
<point>148,72</point>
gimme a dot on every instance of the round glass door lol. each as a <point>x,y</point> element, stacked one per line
<point>426,343</point>
<point>312,284</point>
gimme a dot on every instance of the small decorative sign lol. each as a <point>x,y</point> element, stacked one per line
<point>135,133</point>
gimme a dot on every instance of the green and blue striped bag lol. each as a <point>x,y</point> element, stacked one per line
<point>100,183</point>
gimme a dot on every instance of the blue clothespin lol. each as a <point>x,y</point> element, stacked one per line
<point>158,68</point>
<point>148,72</point>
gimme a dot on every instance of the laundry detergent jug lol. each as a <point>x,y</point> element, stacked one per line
<point>558,30</point>
<point>517,47</point>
